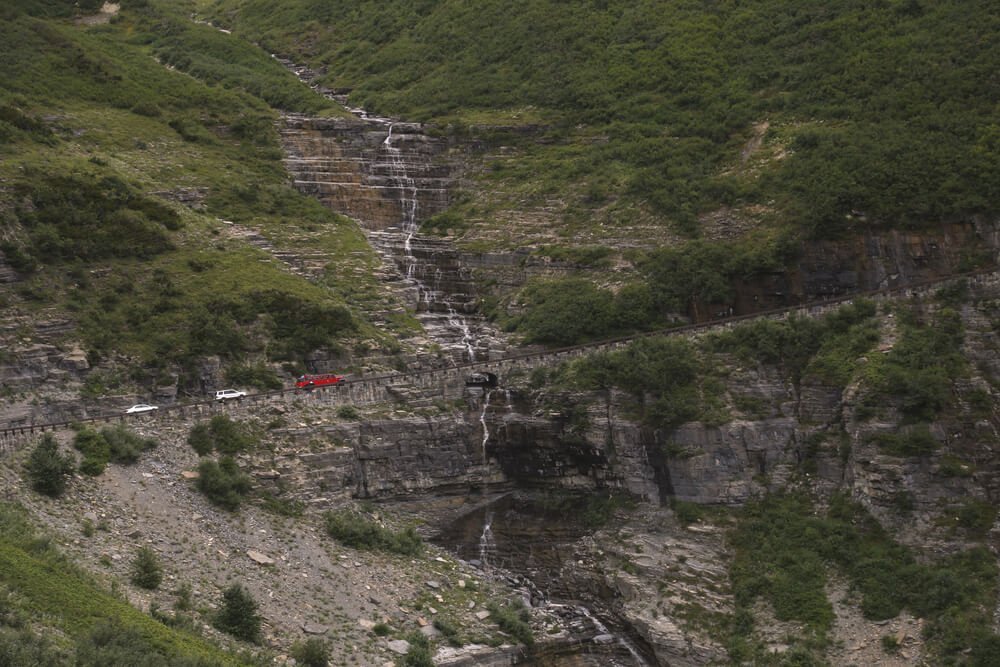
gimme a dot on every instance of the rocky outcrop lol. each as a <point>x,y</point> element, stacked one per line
<point>870,261</point>
<point>345,162</point>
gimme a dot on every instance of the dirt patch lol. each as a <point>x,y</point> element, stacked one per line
<point>108,10</point>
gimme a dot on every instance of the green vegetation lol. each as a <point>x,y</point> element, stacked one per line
<point>220,434</point>
<point>825,348</point>
<point>784,548</point>
<point>96,451</point>
<point>914,441</point>
<point>419,653</point>
<point>917,373</point>
<point>112,444</point>
<point>311,653</point>
<point>74,217</point>
<point>238,614</point>
<point>878,114</point>
<point>513,618</point>
<point>47,469</point>
<point>40,589</point>
<point>146,569</point>
<point>358,531</point>
<point>666,376</point>
<point>223,483</point>
<point>117,172</point>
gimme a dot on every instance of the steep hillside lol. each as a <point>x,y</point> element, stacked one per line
<point>146,220</point>
<point>831,119</point>
<point>606,130</point>
<point>805,488</point>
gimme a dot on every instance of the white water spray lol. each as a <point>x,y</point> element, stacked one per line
<point>425,294</point>
<point>487,545</point>
<point>482,420</point>
<point>603,629</point>
<point>408,188</point>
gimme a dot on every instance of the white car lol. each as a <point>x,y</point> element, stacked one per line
<point>140,408</point>
<point>224,394</point>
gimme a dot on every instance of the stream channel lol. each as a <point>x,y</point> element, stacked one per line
<point>518,538</point>
<point>527,542</point>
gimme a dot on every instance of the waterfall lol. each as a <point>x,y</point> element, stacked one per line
<point>602,630</point>
<point>487,545</point>
<point>408,188</point>
<point>429,294</point>
<point>482,420</point>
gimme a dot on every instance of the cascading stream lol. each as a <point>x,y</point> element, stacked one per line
<point>425,294</point>
<point>487,545</point>
<point>482,420</point>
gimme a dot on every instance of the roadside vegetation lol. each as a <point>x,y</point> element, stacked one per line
<point>356,530</point>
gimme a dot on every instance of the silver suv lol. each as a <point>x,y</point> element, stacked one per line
<point>224,394</point>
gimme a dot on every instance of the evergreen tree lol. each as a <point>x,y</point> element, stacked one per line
<point>47,469</point>
<point>238,615</point>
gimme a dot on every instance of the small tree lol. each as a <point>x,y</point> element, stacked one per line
<point>238,615</point>
<point>311,653</point>
<point>146,570</point>
<point>200,439</point>
<point>47,469</point>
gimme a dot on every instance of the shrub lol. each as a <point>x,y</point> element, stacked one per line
<point>238,614</point>
<point>146,569</point>
<point>566,312</point>
<point>253,375</point>
<point>221,434</point>
<point>916,441</point>
<point>311,653</point>
<point>513,619</point>
<point>223,483</point>
<point>90,218</point>
<point>348,412</point>
<point>125,445</point>
<point>47,469</point>
<point>357,531</point>
<point>448,629</point>
<point>95,449</point>
<point>200,439</point>
<point>419,654</point>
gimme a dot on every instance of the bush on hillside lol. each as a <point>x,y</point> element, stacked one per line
<point>238,614</point>
<point>146,569</point>
<point>95,449</point>
<point>47,469</point>
<point>355,530</point>
<point>223,483</point>
<point>220,434</point>
<point>125,445</point>
<point>311,653</point>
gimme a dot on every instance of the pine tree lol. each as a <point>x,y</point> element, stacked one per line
<point>47,469</point>
<point>238,615</point>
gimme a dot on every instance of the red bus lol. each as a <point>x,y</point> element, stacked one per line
<point>310,381</point>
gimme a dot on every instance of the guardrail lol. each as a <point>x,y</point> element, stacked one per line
<point>352,386</point>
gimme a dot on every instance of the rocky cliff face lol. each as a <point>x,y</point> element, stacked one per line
<point>391,177</point>
<point>790,435</point>
<point>873,260</point>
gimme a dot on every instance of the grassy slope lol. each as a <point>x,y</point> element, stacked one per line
<point>40,586</point>
<point>882,108</point>
<point>85,104</point>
